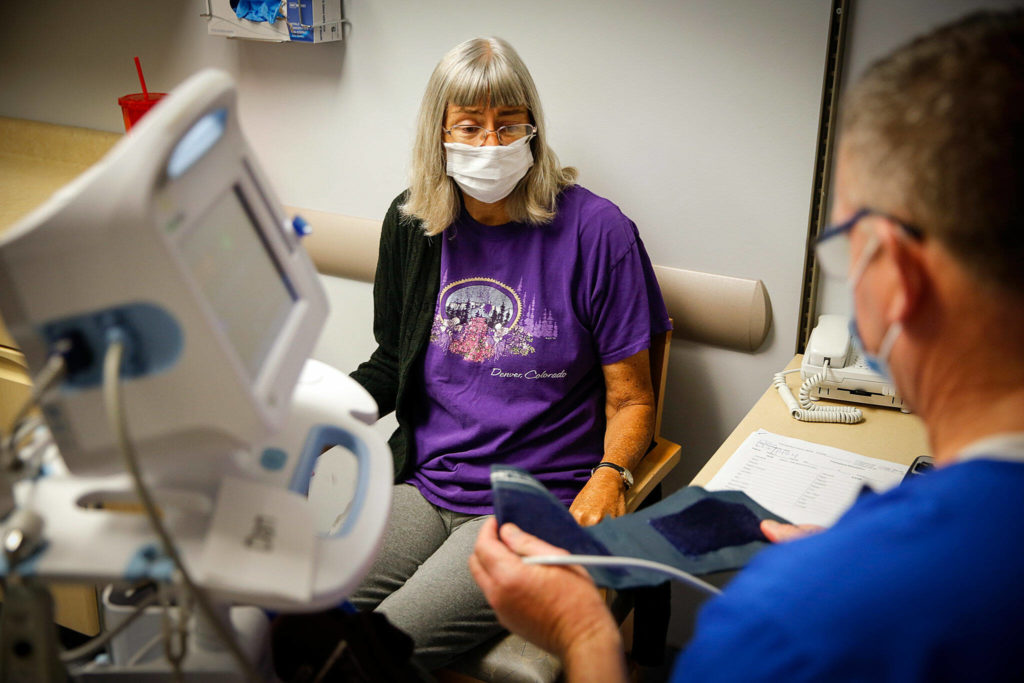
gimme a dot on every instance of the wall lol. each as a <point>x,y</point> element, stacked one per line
<point>698,118</point>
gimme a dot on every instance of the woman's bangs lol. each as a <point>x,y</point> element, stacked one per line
<point>492,81</point>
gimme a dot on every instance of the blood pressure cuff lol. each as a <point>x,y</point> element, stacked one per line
<point>694,530</point>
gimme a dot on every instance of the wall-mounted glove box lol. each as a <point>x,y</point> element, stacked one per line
<point>279,21</point>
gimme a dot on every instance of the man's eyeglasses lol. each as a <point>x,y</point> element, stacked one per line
<point>832,248</point>
<point>476,135</point>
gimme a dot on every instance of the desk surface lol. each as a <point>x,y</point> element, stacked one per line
<point>36,160</point>
<point>885,433</point>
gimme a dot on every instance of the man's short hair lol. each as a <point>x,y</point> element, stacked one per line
<point>933,133</point>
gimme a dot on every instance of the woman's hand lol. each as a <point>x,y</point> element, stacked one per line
<point>556,608</point>
<point>603,496</point>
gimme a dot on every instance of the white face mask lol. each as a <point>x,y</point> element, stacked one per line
<point>879,362</point>
<point>488,173</point>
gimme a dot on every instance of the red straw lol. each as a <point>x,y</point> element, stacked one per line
<point>138,67</point>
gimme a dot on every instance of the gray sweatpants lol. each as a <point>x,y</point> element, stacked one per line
<point>421,580</point>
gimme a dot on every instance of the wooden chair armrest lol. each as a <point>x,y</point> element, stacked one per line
<point>651,470</point>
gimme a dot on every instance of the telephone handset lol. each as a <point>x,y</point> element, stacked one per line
<point>833,369</point>
<point>830,342</point>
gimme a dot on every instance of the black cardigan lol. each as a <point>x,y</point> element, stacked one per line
<point>405,291</point>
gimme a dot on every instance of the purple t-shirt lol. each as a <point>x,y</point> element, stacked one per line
<point>525,318</point>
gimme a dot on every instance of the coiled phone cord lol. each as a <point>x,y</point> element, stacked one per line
<point>806,410</point>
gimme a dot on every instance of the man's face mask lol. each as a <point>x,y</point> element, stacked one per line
<point>833,252</point>
<point>879,363</point>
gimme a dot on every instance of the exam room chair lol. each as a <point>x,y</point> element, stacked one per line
<point>717,310</point>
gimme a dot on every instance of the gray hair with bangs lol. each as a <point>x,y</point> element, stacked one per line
<point>481,70</point>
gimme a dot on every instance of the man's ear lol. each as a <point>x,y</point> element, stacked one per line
<point>911,275</point>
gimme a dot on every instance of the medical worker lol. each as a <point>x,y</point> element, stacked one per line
<point>922,583</point>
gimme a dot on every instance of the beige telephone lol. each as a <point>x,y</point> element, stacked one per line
<point>833,369</point>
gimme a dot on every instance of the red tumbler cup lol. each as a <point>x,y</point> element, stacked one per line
<point>135,105</point>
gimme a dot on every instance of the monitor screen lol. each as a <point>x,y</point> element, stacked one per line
<point>231,262</point>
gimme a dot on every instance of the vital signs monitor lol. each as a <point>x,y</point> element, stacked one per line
<point>175,244</point>
<point>177,310</point>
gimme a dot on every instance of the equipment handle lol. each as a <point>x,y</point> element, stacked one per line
<point>321,437</point>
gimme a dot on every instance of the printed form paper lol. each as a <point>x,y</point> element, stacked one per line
<point>807,483</point>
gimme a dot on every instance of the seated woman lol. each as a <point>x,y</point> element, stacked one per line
<point>513,313</point>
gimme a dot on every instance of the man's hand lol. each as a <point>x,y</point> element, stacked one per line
<point>557,608</point>
<point>777,532</point>
<point>603,496</point>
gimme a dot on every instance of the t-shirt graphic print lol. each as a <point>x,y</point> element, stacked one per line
<point>482,319</point>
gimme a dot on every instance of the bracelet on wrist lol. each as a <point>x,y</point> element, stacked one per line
<point>627,476</point>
